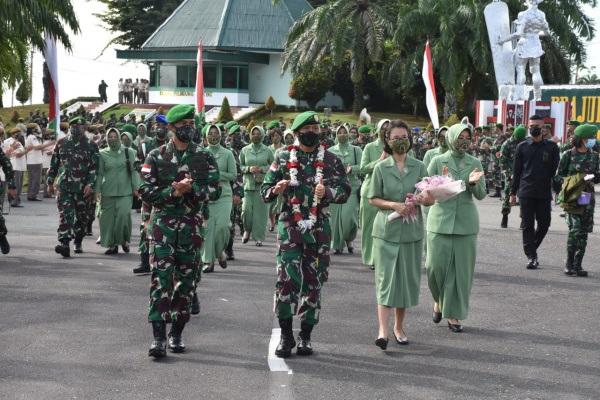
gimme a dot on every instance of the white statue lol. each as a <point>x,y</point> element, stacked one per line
<point>527,29</point>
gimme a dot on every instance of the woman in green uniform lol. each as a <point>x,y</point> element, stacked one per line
<point>397,245</point>
<point>275,207</point>
<point>441,148</point>
<point>255,160</point>
<point>219,211</point>
<point>344,217</point>
<point>452,228</point>
<point>372,154</point>
<point>117,181</point>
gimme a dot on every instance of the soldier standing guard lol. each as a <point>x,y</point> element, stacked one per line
<point>507,159</point>
<point>73,169</point>
<point>9,176</point>
<point>309,178</point>
<point>178,179</point>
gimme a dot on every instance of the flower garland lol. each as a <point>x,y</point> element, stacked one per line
<point>319,164</point>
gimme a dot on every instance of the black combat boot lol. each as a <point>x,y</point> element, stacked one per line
<point>569,270</point>
<point>229,249</point>
<point>287,342</point>
<point>77,242</point>
<point>158,348</point>
<point>88,231</point>
<point>144,266</point>
<point>577,263</point>
<point>504,223</point>
<point>195,304</point>
<point>175,342</point>
<point>4,245</point>
<point>304,347</point>
<point>63,248</point>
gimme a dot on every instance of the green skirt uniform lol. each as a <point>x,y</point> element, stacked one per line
<point>367,217</point>
<point>344,221</point>
<point>218,225</point>
<point>115,220</point>
<point>450,268</point>
<point>255,213</point>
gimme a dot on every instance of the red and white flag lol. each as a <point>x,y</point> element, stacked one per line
<point>199,81</point>
<point>430,96</point>
<point>50,54</point>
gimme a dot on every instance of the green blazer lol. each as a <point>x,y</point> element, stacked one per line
<point>370,158</point>
<point>349,155</point>
<point>458,215</point>
<point>250,157</point>
<point>388,183</point>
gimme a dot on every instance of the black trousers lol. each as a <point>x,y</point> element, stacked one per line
<point>534,210</point>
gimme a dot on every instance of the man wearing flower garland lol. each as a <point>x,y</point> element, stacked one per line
<point>310,178</point>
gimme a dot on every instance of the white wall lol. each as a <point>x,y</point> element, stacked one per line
<point>266,80</point>
<point>211,98</point>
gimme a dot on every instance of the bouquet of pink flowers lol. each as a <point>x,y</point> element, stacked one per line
<point>440,187</point>
<point>410,214</point>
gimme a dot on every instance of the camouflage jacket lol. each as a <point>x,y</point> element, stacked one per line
<point>165,165</point>
<point>9,174</point>
<point>507,158</point>
<point>144,149</point>
<point>337,191</point>
<point>73,164</point>
<point>573,162</point>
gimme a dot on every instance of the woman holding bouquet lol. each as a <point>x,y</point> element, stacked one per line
<point>452,228</point>
<point>397,244</point>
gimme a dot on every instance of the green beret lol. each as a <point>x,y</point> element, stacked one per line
<point>230,124</point>
<point>205,130</point>
<point>220,126</point>
<point>574,123</point>
<point>233,128</point>
<point>365,129</point>
<point>179,112</point>
<point>520,132</point>
<point>305,118</point>
<point>273,124</point>
<point>77,120</point>
<point>586,131</point>
<point>129,128</point>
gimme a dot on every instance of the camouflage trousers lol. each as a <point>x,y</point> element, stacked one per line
<point>144,244</point>
<point>580,225</point>
<point>3,230</point>
<point>174,250</point>
<point>236,219</point>
<point>73,215</point>
<point>506,199</point>
<point>497,176</point>
<point>301,272</point>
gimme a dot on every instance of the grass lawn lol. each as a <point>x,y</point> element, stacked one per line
<point>6,113</point>
<point>351,118</point>
<point>117,111</point>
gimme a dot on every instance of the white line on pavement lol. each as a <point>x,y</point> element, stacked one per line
<point>276,364</point>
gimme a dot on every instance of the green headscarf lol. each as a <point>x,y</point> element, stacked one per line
<point>116,145</point>
<point>129,136</point>
<point>452,138</point>
<point>262,135</point>
<point>444,132</point>
<point>347,143</point>
<point>213,146</point>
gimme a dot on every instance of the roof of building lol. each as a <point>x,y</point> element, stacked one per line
<point>228,24</point>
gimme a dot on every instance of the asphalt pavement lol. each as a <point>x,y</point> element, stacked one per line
<point>77,328</point>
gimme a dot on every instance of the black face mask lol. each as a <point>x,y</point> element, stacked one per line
<point>161,134</point>
<point>76,132</point>
<point>309,139</point>
<point>535,131</point>
<point>185,133</point>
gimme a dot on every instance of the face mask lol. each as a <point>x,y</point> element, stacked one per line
<point>342,139</point>
<point>400,146</point>
<point>535,131</point>
<point>113,144</point>
<point>590,143</point>
<point>256,139</point>
<point>185,133</point>
<point>309,139</point>
<point>161,133</point>
<point>462,145</point>
<point>76,131</point>
<point>213,140</point>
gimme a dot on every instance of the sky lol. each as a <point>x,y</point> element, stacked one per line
<point>80,72</point>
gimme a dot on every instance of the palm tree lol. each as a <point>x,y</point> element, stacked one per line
<point>23,24</point>
<point>340,28</point>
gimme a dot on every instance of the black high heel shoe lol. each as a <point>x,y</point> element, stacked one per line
<point>382,343</point>
<point>456,328</point>
<point>436,317</point>
<point>401,341</point>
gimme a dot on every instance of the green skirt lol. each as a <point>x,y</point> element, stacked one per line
<point>217,232</point>
<point>397,272</point>
<point>344,222</point>
<point>115,220</point>
<point>367,218</point>
<point>255,213</point>
<point>450,267</point>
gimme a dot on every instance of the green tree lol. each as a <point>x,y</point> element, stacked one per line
<point>23,25</point>
<point>225,114</point>
<point>135,20</point>
<point>270,105</point>
<point>310,85</point>
<point>357,28</point>
<point>23,91</point>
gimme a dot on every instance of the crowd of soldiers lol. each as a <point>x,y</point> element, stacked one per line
<point>180,160</point>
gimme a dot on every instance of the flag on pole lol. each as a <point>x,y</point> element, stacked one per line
<point>51,57</point>
<point>199,81</point>
<point>430,96</point>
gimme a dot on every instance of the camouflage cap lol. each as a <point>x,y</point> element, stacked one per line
<point>179,112</point>
<point>305,118</point>
<point>586,131</point>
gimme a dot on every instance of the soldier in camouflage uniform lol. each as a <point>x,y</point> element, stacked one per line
<point>179,178</point>
<point>484,153</point>
<point>497,169</point>
<point>507,159</point>
<point>571,126</point>
<point>160,137</point>
<point>73,169</point>
<point>235,144</point>
<point>9,176</point>
<point>576,163</point>
<point>303,228</point>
